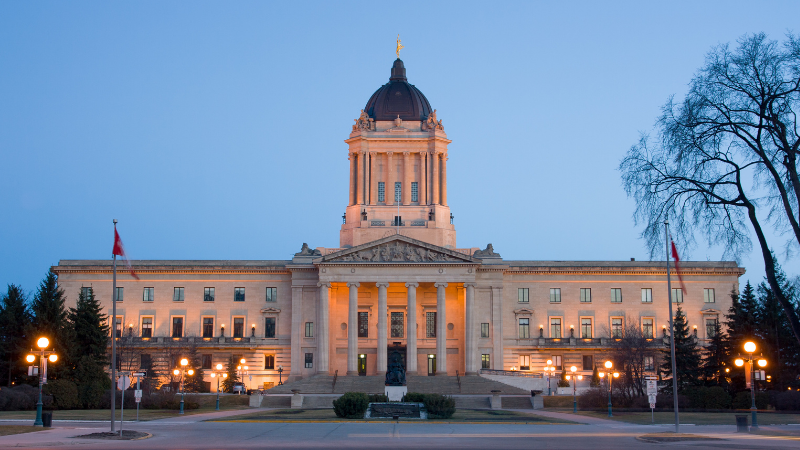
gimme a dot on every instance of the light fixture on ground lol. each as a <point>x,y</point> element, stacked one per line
<point>218,373</point>
<point>44,357</point>
<point>183,372</point>
<point>750,348</point>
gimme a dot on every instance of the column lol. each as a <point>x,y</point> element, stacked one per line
<point>297,325</point>
<point>373,179</point>
<point>367,178</point>
<point>390,177</point>
<point>361,169</point>
<point>470,337</point>
<point>351,200</point>
<point>435,181</point>
<point>411,332</point>
<point>323,354</point>
<point>408,177</point>
<point>352,330</point>
<point>382,312</point>
<point>423,179</point>
<point>441,329</point>
<point>444,179</point>
<point>497,328</point>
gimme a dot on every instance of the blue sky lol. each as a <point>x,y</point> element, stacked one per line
<point>214,130</point>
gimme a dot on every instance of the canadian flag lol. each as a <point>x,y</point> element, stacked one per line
<point>677,264</point>
<point>120,251</point>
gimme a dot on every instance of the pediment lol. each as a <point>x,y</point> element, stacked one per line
<point>398,249</point>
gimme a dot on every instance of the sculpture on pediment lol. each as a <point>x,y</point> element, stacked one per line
<point>431,123</point>
<point>488,252</point>
<point>307,251</point>
<point>397,252</point>
<point>364,122</point>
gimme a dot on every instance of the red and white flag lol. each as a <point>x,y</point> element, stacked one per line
<point>120,251</point>
<point>677,264</point>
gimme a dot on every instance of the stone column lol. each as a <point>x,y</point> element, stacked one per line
<point>367,178</point>
<point>352,330</point>
<point>390,177</point>
<point>470,337</point>
<point>323,354</point>
<point>297,325</point>
<point>373,179</point>
<point>497,327</point>
<point>408,178</point>
<point>361,169</point>
<point>382,342</point>
<point>351,200</point>
<point>423,179</point>
<point>435,182</point>
<point>444,179</point>
<point>441,329</point>
<point>411,332</point>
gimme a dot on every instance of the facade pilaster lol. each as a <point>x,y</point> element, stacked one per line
<point>411,333</point>
<point>362,170</point>
<point>352,330</point>
<point>297,319</point>
<point>435,181</point>
<point>390,177</point>
<point>373,179</point>
<point>408,174</point>
<point>351,200</point>
<point>423,178</point>
<point>469,330</point>
<point>323,354</point>
<point>441,329</point>
<point>497,328</point>
<point>382,342</point>
<point>444,180</point>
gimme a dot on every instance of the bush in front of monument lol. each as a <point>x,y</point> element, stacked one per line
<point>439,406</point>
<point>351,405</point>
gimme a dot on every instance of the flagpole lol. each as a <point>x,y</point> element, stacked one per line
<point>671,333</point>
<point>113,339</point>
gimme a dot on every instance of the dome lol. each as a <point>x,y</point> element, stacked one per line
<point>398,97</point>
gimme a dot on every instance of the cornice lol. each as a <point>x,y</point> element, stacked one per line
<point>629,272</point>
<point>186,271</point>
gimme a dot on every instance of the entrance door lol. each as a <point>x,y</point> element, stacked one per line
<point>431,365</point>
<point>362,365</point>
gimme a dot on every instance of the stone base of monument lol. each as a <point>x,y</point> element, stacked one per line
<point>396,411</point>
<point>395,393</point>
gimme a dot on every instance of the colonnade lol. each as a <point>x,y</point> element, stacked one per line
<point>364,177</point>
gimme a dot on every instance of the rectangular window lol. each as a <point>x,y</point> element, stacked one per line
<point>147,327</point>
<point>555,327</point>
<point>708,296</point>
<point>177,294</point>
<point>206,361</point>
<point>120,295</point>
<point>177,327</point>
<point>145,362</point>
<point>522,295</point>
<point>485,361</point>
<point>586,327</point>
<point>616,327</point>
<point>309,360</point>
<point>238,327</point>
<point>711,328</point>
<point>649,363</point>
<point>677,295</point>
<point>269,327</point>
<point>524,329</point>
<point>86,292</point>
<point>309,329</point>
<point>430,324</point>
<point>586,295</point>
<point>381,191</point>
<point>148,294</point>
<point>588,362</point>
<point>238,294</point>
<point>208,327</point>
<point>555,295</point>
<point>647,327</point>
<point>616,295</point>
<point>272,294</point>
<point>557,362</point>
<point>397,324</point>
<point>398,189</point>
<point>269,362</point>
<point>363,324</point>
<point>524,362</point>
<point>208,294</point>
<point>118,327</point>
<point>484,330</point>
<point>647,295</point>
<point>414,191</point>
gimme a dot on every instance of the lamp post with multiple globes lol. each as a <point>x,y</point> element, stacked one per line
<point>575,379</point>
<point>182,371</point>
<point>218,374</point>
<point>44,356</point>
<point>241,371</point>
<point>750,348</point>
<point>611,375</point>
<point>549,369</point>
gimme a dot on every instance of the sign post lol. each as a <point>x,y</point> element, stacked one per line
<point>652,390</point>
<point>123,383</point>
<point>138,392</point>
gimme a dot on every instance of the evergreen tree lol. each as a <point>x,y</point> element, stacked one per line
<point>50,320</point>
<point>195,382</point>
<point>741,317</point>
<point>91,327</point>
<point>595,378</point>
<point>687,356</point>
<point>92,381</point>
<point>15,321</point>
<point>233,377</point>
<point>717,355</point>
<point>562,381</point>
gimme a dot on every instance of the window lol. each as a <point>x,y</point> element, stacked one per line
<point>647,295</point>
<point>524,362</point>
<point>148,294</point>
<point>145,362</point>
<point>555,295</point>
<point>398,189</point>
<point>269,327</point>
<point>381,191</point>
<point>586,295</point>
<point>524,329</point>
<point>616,327</point>
<point>649,363</point>
<point>484,330</point>
<point>238,294</point>
<point>586,327</point>
<point>711,328</point>
<point>177,327</point>
<point>555,327</point>
<point>147,327</point>
<point>414,191</point>
<point>647,327</point>
<point>120,295</point>
<point>485,361</point>
<point>269,362</point>
<point>616,295</point>
<point>177,294</point>
<point>208,294</point>
<point>208,327</point>
<point>708,296</point>
<point>272,294</point>
<point>309,329</point>
<point>118,327</point>
<point>677,295</point>
<point>430,324</point>
<point>557,362</point>
<point>522,295</point>
<point>397,324</point>
<point>206,358</point>
<point>238,327</point>
<point>363,324</point>
<point>86,292</point>
<point>588,362</point>
<point>309,360</point>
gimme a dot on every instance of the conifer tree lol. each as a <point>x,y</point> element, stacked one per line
<point>15,322</point>
<point>195,382</point>
<point>595,378</point>
<point>91,327</point>
<point>50,320</point>
<point>741,317</point>
<point>716,357</point>
<point>562,381</point>
<point>687,356</point>
<point>233,377</point>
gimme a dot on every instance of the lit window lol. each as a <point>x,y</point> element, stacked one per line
<point>524,329</point>
<point>118,327</point>
<point>616,327</point>
<point>238,327</point>
<point>616,295</point>
<point>677,295</point>
<point>484,330</point>
<point>147,327</point>
<point>381,191</point>
<point>708,296</point>
<point>522,295</point>
<point>586,327</point>
<point>557,361</point>
<point>555,295</point>
<point>269,362</point>
<point>414,191</point>
<point>555,327</point>
<point>177,294</point>
<point>272,294</point>
<point>269,327</point>
<point>484,361</point>
<point>148,294</point>
<point>586,295</point>
<point>647,295</point>
<point>208,294</point>
<point>238,294</point>
<point>309,360</point>
<point>309,329</point>
<point>647,328</point>
<point>524,362</point>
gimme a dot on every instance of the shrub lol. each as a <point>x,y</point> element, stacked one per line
<point>708,397</point>
<point>22,398</point>
<point>64,392</point>
<point>351,405</point>
<point>378,398</point>
<point>593,398</point>
<point>665,401</point>
<point>440,406</point>
<point>787,401</point>
<point>744,401</point>
<point>414,397</point>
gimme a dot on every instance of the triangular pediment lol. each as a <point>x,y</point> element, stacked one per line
<point>398,249</point>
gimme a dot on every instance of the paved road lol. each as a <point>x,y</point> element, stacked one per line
<point>190,432</point>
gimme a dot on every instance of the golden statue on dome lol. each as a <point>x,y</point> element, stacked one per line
<point>399,46</point>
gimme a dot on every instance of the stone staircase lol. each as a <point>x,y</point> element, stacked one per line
<point>470,385</point>
<point>322,384</point>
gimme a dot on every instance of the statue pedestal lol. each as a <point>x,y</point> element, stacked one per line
<point>395,393</point>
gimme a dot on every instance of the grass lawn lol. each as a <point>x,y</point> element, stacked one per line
<point>324,415</point>
<point>697,418</point>
<point>5,430</point>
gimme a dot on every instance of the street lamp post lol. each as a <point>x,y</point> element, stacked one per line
<point>548,369</point>
<point>241,371</point>
<point>750,347</point>
<point>575,379</point>
<point>611,375</point>
<point>280,375</point>
<point>44,355</point>
<point>218,374</point>
<point>182,372</point>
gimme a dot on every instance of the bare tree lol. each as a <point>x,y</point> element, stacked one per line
<point>629,352</point>
<point>725,155</point>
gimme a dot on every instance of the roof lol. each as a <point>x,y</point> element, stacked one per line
<point>398,98</point>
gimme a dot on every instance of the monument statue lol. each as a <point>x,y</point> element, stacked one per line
<point>395,372</point>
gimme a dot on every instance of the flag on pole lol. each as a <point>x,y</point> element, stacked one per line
<point>677,264</point>
<point>120,251</point>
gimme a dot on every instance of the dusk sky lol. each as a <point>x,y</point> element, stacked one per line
<point>214,130</point>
